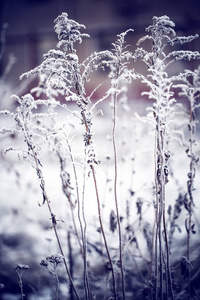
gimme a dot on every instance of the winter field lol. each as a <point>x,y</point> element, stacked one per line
<point>100,199</point>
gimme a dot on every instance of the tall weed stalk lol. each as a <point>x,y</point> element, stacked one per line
<point>68,77</point>
<point>162,34</point>
<point>190,89</point>
<point>119,75</point>
<point>23,118</point>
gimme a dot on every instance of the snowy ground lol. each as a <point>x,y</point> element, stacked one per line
<point>26,234</point>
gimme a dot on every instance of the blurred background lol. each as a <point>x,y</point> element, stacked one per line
<point>30,32</point>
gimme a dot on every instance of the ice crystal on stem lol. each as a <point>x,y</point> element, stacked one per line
<point>68,32</point>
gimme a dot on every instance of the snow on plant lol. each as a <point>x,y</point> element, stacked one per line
<point>20,270</point>
<point>190,89</point>
<point>27,123</point>
<point>51,263</point>
<point>119,74</point>
<point>62,75</point>
<point>62,72</point>
<point>161,34</point>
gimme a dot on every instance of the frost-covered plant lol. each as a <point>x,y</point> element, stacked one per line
<point>67,189</point>
<point>63,76</point>
<point>119,75</point>
<point>190,89</point>
<point>51,263</point>
<point>20,270</point>
<point>173,217</point>
<point>27,124</point>
<point>162,34</point>
<point>62,72</point>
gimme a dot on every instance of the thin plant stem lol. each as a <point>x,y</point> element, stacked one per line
<point>54,223</point>
<point>85,235</point>
<point>88,143</point>
<point>61,251</point>
<point>160,193</point>
<point>190,185</point>
<point>68,195</point>
<point>115,192</point>
<point>153,254</point>
<point>168,275</point>
<point>86,280</point>
<point>103,233</point>
<point>53,219</point>
<point>161,219</point>
<point>57,285</point>
<point>21,286</point>
<point>20,269</point>
<point>70,262</point>
<point>156,277</point>
<point>23,124</point>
